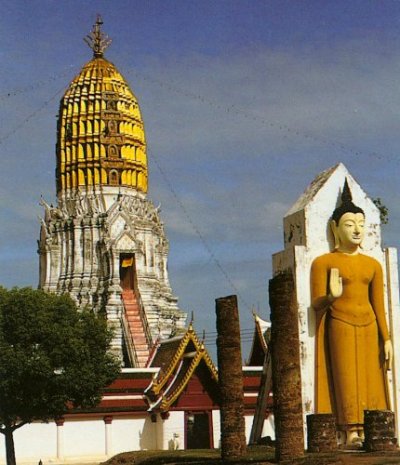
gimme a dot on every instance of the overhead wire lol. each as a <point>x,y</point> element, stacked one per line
<point>204,242</point>
<point>251,116</point>
<point>37,84</point>
<point>16,128</point>
<point>212,103</point>
<point>207,101</point>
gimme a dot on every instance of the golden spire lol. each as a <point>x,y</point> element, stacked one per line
<point>100,139</point>
<point>96,39</point>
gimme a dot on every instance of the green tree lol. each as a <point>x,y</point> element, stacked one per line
<point>52,357</point>
<point>383,210</point>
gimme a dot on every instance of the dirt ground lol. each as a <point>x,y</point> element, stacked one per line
<point>259,455</point>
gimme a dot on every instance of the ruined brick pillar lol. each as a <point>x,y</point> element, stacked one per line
<point>286,378</point>
<point>230,374</point>
<point>379,430</point>
<point>321,433</point>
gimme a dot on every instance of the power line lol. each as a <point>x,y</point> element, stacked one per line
<point>37,85</point>
<point>29,117</point>
<point>251,116</point>
<point>212,103</point>
<point>198,233</point>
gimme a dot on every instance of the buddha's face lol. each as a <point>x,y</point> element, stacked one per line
<point>350,231</point>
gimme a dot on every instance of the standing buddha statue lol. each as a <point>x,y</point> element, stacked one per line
<point>353,347</point>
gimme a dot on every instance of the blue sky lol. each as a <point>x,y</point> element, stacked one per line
<point>244,103</point>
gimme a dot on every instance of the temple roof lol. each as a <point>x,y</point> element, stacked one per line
<point>178,358</point>
<point>259,347</point>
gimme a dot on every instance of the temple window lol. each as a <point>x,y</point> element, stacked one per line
<point>113,151</point>
<point>112,126</point>
<point>113,178</point>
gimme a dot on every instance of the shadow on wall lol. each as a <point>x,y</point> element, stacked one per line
<point>148,436</point>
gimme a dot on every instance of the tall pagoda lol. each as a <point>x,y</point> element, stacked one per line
<point>104,243</point>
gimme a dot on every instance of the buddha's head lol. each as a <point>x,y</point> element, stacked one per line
<point>347,223</point>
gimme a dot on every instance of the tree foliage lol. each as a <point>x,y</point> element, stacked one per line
<point>383,210</point>
<point>52,357</point>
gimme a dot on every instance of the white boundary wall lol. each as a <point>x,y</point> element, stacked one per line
<point>82,440</point>
<point>95,440</point>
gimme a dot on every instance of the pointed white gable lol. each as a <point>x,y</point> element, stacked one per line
<point>307,222</point>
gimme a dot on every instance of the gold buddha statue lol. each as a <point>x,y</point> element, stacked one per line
<point>353,347</point>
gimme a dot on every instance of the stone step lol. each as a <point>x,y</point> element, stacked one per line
<point>135,325</point>
<point>134,303</point>
<point>134,319</point>
<point>132,312</point>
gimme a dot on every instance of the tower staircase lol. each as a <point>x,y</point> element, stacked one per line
<point>137,334</point>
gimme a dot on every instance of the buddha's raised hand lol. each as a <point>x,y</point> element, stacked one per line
<point>335,284</point>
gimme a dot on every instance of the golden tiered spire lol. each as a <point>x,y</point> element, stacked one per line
<point>101,140</point>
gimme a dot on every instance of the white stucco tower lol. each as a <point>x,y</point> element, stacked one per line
<point>104,242</point>
<point>306,236</point>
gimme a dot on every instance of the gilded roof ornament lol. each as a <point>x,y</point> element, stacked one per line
<point>97,40</point>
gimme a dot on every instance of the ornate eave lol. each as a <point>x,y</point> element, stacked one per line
<point>170,382</point>
<point>259,346</point>
<point>176,389</point>
<point>165,375</point>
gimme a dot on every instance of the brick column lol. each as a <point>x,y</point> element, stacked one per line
<point>321,433</point>
<point>379,430</point>
<point>230,373</point>
<point>286,377</point>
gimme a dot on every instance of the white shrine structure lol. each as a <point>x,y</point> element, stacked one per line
<point>104,242</point>
<point>306,236</point>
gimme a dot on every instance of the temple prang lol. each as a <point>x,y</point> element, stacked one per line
<point>104,242</point>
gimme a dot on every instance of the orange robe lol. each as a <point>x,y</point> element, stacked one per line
<point>350,375</point>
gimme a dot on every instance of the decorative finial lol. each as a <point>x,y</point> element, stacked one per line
<point>346,193</point>
<point>97,40</point>
<point>347,205</point>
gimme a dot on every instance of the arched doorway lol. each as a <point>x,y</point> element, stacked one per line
<point>127,272</point>
<point>198,429</point>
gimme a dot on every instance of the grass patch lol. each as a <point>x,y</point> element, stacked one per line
<point>256,454</point>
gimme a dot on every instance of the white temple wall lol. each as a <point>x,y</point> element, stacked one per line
<point>269,427</point>
<point>85,440</point>
<point>175,423</point>
<point>393,294</point>
<point>84,437</point>
<point>32,442</point>
<point>216,423</point>
<point>133,434</point>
